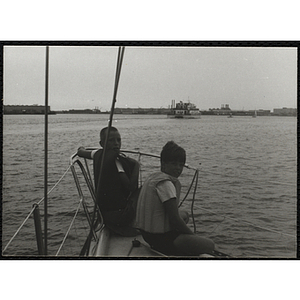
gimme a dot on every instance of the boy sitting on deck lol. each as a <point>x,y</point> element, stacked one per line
<point>158,217</point>
<point>119,181</point>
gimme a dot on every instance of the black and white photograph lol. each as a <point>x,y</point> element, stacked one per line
<point>95,136</point>
<point>109,105</point>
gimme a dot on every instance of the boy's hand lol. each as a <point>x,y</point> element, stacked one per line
<point>80,148</point>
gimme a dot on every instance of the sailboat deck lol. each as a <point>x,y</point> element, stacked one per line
<point>116,246</point>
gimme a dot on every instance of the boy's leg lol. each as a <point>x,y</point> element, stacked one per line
<point>193,245</point>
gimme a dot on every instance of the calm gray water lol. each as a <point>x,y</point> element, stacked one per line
<point>246,196</point>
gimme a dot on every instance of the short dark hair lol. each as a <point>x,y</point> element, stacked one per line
<point>104,130</point>
<point>172,152</point>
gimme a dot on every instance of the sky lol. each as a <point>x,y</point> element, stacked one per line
<point>83,77</point>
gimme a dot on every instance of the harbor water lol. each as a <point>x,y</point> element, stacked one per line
<point>246,195</point>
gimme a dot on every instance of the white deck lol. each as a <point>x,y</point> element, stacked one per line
<point>111,245</point>
<point>115,246</point>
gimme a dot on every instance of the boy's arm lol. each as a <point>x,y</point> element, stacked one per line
<point>176,221</point>
<point>131,183</point>
<point>82,152</point>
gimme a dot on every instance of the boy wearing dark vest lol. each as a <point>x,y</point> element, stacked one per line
<point>119,180</point>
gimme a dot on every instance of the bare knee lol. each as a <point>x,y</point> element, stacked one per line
<point>184,215</point>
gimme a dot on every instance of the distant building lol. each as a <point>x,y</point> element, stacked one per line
<point>285,111</point>
<point>142,111</point>
<point>82,111</point>
<point>225,107</point>
<point>261,112</point>
<point>25,109</point>
<point>226,110</point>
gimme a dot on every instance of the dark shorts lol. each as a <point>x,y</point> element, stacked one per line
<point>162,242</point>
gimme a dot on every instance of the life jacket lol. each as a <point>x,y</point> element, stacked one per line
<point>151,215</point>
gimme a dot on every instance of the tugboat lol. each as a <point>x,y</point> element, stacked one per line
<point>184,110</point>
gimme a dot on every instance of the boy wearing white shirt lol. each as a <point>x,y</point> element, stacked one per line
<point>157,215</point>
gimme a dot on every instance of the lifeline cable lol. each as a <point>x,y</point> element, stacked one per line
<point>56,184</point>
<point>249,223</point>
<point>232,176</point>
<point>192,205</point>
<point>30,213</point>
<point>18,230</point>
<point>71,224</point>
<point>195,175</point>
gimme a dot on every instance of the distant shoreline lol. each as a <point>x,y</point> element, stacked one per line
<point>223,111</point>
<point>39,110</point>
<point>153,114</point>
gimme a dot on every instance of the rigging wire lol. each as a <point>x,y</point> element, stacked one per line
<point>195,176</point>
<point>247,222</point>
<point>71,224</point>
<point>232,176</point>
<point>117,77</point>
<point>141,154</point>
<point>193,201</point>
<point>56,184</point>
<point>243,221</point>
<point>114,100</point>
<point>31,212</point>
<point>20,227</point>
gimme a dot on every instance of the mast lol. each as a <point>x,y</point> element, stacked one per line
<point>114,100</point>
<point>46,154</point>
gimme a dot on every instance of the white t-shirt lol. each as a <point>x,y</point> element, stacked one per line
<point>166,190</point>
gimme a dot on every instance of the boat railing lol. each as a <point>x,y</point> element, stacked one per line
<point>97,217</point>
<point>194,184</point>
<point>84,166</point>
<point>85,171</point>
<point>75,159</point>
<point>35,207</point>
